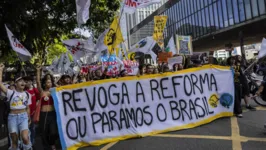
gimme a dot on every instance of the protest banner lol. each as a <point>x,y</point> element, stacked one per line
<point>184,45</point>
<point>159,25</point>
<point>99,112</point>
<point>132,67</point>
<point>111,63</point>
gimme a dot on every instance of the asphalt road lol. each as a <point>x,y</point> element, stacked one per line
<point>245,133</point>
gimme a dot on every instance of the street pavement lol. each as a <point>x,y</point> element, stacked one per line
<point>245,133</point>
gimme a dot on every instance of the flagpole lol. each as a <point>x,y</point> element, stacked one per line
<point>23,69</point>
<point>118,24</point>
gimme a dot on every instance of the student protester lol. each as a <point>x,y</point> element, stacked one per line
<point>262,93</point>
<point>149,69</point>
<point>244,83</point>
<point>237,72</point>
<point>19,114</point>
<point>156,70</point>
<point>48,125</point>
<point>65,80</point>
<point>34,97</point>
<point>142,69</point>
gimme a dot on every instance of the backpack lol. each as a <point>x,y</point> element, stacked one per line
<point>6,109</point>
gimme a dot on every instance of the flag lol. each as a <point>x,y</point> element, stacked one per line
<point>22,52</point>
<point>145,46</point>
<point>79,47</point>
<point>130,6</point>
<point>171,46</point>
<point>63,63</point>
<point>123,23</point>
<point>159,25</point>
<point>262,51</point>
<point>100,46</point>
<point>83,14</point>
<point>114,36</point>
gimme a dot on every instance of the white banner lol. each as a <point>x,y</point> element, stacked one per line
<point>130,6</point>
<point>98,112</point>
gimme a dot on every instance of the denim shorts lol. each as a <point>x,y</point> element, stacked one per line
<point>18,122</point>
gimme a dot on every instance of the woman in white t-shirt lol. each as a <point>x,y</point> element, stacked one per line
<point>18,120</point>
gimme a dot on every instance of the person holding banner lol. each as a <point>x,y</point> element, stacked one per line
<point>48,124</point>
<point>237,72</point>
<point>244,83</point>
<point>19,112</point>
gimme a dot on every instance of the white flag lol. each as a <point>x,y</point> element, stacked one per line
<point>22,52</point>
<point>83,14</point>
<point>79,47</point>
<point>171,46</point>
<point>130,6</point>
<point>100,46</point>
<point>145,46</point>
<point>262,52</point>
<point>63,63</point>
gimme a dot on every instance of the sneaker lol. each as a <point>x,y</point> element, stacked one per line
<point>251,108</point>
<point>239,115</point>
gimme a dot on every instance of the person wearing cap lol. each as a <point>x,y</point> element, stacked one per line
<point>19,115</point>
<point>34,97</point>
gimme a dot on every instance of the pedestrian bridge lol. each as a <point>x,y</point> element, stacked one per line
<point>211,23</point>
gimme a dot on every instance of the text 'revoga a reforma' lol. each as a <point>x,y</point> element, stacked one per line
<point>132,116</point>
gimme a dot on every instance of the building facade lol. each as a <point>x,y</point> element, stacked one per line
<point>200,18</point>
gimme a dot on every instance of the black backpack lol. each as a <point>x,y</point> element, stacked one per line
<point>6,109</point>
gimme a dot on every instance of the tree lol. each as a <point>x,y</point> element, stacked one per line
<point>40,23</point>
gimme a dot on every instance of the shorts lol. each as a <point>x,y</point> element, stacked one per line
<point>18,122</point>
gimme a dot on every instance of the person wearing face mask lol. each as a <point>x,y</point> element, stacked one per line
<point>19,113</point>
<point>48,125</point>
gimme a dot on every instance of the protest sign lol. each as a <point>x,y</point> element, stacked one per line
<point>163,56</point>
<point>174,60</point>
<point>184,45</point>
<point>111,63</point>
<point>132,67</point>
<point>159,25</point>
<point>99,112</point>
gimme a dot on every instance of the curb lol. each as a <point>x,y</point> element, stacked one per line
<point>3,142</point>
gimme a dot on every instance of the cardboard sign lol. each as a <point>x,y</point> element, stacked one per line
<point>163,56</point>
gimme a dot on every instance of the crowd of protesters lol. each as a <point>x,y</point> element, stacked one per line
<point>31,102</point>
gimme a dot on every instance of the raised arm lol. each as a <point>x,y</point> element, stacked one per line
<point>2,87</point>
<point>38,79</point>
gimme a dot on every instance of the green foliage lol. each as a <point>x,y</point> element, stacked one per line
<point>38,24</point>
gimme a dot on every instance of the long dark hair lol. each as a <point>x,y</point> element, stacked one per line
<point>45,78</point>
